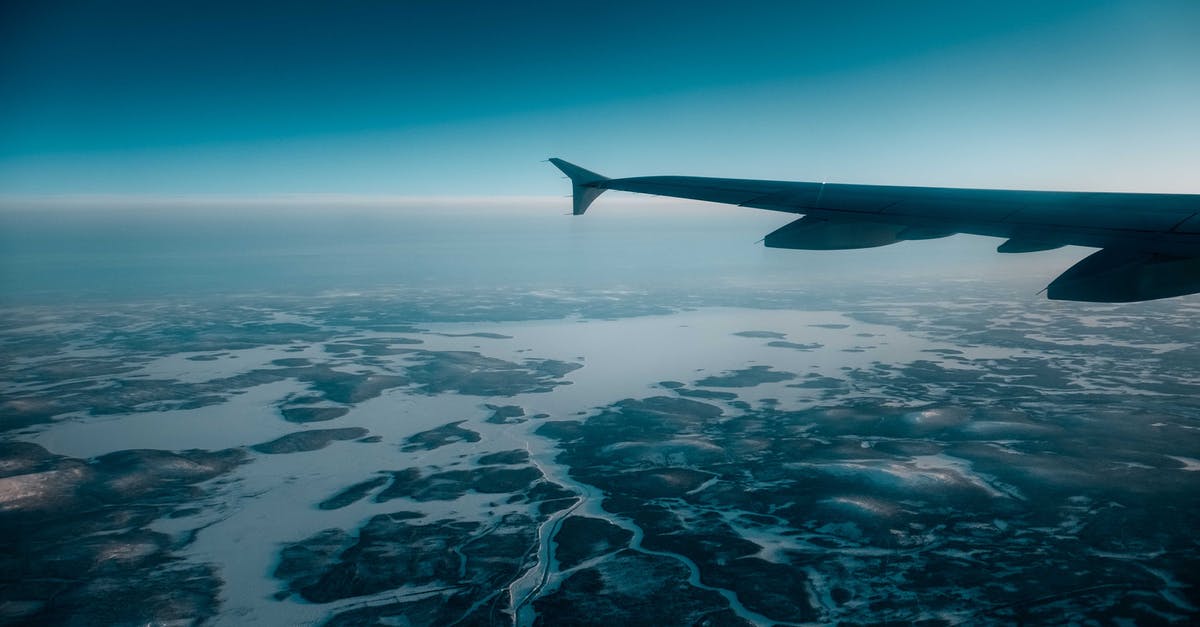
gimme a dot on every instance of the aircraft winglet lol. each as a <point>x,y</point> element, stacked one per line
<point>584,188</point>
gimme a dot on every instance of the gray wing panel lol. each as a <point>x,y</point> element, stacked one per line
<point>725,191</point>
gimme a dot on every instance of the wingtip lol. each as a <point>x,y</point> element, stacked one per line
<point>583,184</point>
<point>578,175</point>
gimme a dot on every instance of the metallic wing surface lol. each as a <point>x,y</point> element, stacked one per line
<point>1149,243</point>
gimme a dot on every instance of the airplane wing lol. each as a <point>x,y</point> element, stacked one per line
<point>1149,243</point>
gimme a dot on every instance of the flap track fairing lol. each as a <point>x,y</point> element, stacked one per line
<point>809,233</point>
<point>1124,276</point>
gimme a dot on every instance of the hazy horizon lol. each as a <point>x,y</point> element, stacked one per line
<point>196,248</point>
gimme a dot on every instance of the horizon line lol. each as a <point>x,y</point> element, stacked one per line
<point>140,199</point>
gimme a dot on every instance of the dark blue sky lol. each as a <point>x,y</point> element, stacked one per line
<point>463,98</point>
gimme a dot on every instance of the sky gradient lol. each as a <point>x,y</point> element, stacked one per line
<point>465,98</point>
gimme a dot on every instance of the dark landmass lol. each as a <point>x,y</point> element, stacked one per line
<point>25,411</point>
<point>132,395</point>
<point>581,538</point>
<point>745,378</point>
<point>54,378</point>
<point>336,386</point>
<point>423,611</point>
<point>485,335</point>
<point>830,326</point>
<point>451,484</point>
<point>556,505</point>
<point>505,414</point>
<point>725,558</point>
<point>546,491</point>
<point>178,332</point>
<point>76,548</point>
<point>311,440</point>
<point>560,429</point>
<point>796,346</point>
<point>597,451</point>
<point>466,565</point>
<point>370,347</point>
<point>1031,481</point>
<point>353,494</point>
<point>761,334</point>
<point>709,394</point>
<point>474,374</point>
<point>360,569</point>
<point>813,380</point>
<point>438,437</point>
<point>633,588</point>
<point>515,456</point>
<point>670,385</point>
<point>170,593</point>
<point>301,564</point>
<point>656,483</point>
<point>911,497</point>
<point>150,475</point>
<point>334,391</point>
<point>312,414</point>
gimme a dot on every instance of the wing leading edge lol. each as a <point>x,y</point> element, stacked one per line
<point>1150,243</point>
